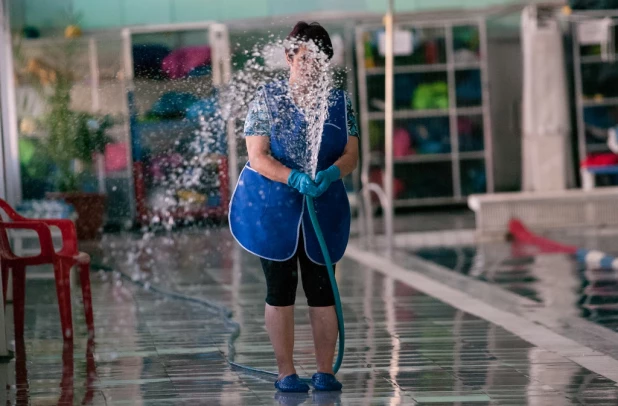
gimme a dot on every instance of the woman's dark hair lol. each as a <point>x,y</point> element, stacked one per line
<point>304,32</point>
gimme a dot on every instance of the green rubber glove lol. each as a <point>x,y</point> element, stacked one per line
<point>324,178</point>
<point>303,183</point>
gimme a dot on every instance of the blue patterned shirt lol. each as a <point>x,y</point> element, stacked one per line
<point>258,120</point>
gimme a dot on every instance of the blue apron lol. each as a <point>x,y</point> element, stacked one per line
<point>265,216</point>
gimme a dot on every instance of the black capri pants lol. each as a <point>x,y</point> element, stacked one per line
<point>282,280</point>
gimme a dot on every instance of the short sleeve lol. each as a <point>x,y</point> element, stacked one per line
<point>258,117</point>
<point>351,118</point>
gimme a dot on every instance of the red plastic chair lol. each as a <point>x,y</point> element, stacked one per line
<point>63,260</point>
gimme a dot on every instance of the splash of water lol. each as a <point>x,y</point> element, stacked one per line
<point>163,260</point>
<point>313,96</point>
<point>311,91</point>
<point>265,64</point>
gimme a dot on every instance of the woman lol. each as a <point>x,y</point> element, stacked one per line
<point>268,213</point>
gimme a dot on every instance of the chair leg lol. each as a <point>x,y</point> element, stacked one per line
<point>91,373</point>
<point>5,280</point>
<point>67,382</point>
<point>68,305</point>
<point>63,291</point>
<point>84,278</point>
<point>19,299</point>
<point>22,396</point>
<point>58,277</point>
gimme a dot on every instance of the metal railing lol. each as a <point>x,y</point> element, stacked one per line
<point>385,195</point>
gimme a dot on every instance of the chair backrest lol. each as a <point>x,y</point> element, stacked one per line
<point>46,256</point>
<point>9,215</point>
<point>9,211</point>
<point>5,245</point>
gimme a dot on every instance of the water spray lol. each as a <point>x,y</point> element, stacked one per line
<point>313,100</point>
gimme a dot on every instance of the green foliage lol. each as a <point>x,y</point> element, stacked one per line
<point>91,135</point>
<point>71,135</point>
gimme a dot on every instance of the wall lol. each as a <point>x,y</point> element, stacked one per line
<point>99,14</point>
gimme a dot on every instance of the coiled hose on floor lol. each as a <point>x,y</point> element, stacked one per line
<point>227,313</point>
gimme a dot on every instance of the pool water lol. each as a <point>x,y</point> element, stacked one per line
<point>554,280</point>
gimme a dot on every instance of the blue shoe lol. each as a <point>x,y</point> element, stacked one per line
<point>291,383</point>
<point>325,382</point>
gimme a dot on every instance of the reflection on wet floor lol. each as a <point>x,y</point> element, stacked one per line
<point>555,280</point>
<point>402,348</point>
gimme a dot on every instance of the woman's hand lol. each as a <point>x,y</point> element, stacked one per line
<point>344,166</point>
<point>303,183</point>
<point>266,165</point>
<point>324,178</point>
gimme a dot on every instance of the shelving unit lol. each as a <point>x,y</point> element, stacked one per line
<point>595,74</point>
<point>438,67</point>
<point>442,137</point>
<point>601,102</point>
<point>378,158</point>
<point>173,180</point>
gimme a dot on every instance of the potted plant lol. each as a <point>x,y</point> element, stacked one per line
<point>74,141</point>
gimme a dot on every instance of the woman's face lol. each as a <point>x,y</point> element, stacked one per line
<point>305,64</point>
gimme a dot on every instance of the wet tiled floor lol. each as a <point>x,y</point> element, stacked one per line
<point>403,347</point>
